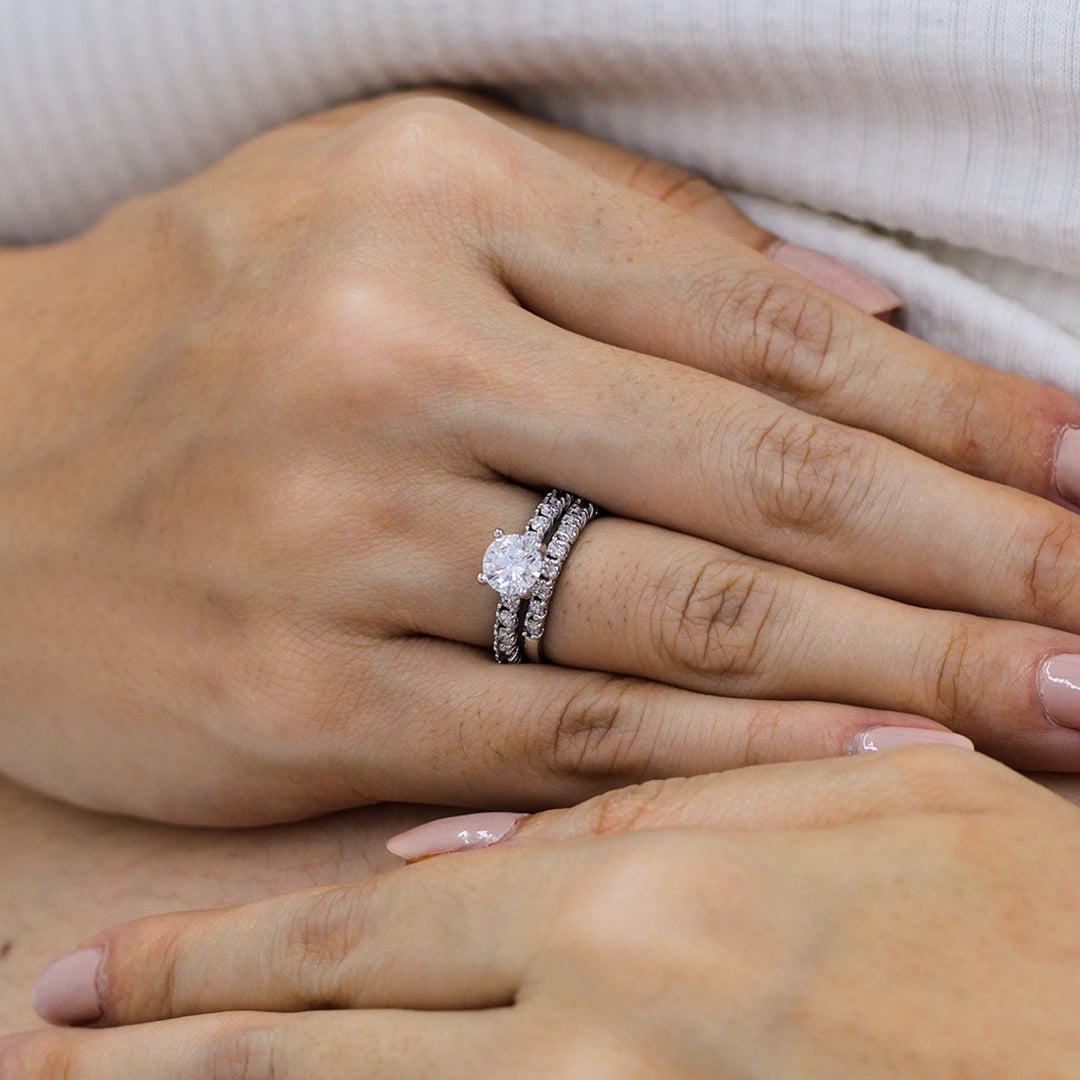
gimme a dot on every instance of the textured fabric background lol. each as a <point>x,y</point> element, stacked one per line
<point>952,127</point>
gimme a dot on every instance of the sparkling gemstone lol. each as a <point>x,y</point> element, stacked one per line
<point>543,589</point>
<point>512,564</point>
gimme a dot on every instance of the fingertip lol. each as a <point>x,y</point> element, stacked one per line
<point>850,284</point>
<point>446,835</point>
<point>886,737</point>
<point>70,991</point>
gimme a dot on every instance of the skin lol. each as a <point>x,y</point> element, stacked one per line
<point>278,408</point>
<point>906,914</point>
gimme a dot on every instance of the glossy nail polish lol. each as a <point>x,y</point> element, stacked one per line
<point>1059,689</point>
<point>452,834</point>
<point>889,738</point>
<point>1067,466</point>
<point>68,991</point>
<point>840,279</point>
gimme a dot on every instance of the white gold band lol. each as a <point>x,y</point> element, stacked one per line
<point>526,565</point>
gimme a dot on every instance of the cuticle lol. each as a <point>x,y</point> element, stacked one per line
<point>1040,675</point>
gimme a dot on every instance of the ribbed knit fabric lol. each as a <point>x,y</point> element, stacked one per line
<point>952,126</point>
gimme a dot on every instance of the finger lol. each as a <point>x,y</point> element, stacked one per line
<point>647,278</point>
<point>729,464</point>
<point>636,600</point>
<point>799,795</point>
<point>692,194</point>
<point>377,1045</point>
<point>642,601</point>
<point>365,945</point>
<point>673,185</point>
<point>668,183</point>
<point>531,736</point>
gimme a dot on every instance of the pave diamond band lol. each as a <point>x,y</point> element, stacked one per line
<point>524,566</point>
<point>577,516</point>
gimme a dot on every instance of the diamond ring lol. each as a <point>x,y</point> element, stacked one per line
<point>520,566</point>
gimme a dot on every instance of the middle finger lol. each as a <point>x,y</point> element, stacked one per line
<point>718,460</point>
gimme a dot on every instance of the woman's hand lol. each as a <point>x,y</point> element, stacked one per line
<point>905,915</point>
<point>261,425</point>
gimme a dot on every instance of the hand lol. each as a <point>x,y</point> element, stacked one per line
<point>905,915</point>
<point>263,423</point>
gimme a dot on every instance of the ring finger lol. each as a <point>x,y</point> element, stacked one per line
<point>637,600</point>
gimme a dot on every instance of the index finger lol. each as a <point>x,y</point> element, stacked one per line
<point>797,795</point>
<point>647,277</point>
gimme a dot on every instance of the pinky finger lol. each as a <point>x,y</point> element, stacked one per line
<point>532,736</point>
<point>377,1045</point>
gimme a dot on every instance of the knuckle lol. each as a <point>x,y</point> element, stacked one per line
<point>429,153</point>
<point>622,809</point>
<point>315,946</point>
<point>935,778</point>
<point>630,889</point>
<point>1053,569</point>
<point>241,1052</point>
<point>711,617</point>
<point>965,408</point>
<point>381,350</point>
<point>587,1055</point>
<point>954,675</point>
<point>670,183</point>
<point>597,730</point>
<point>769,738</point>
<point>790,340</point>
<point>809,475</point>
<point>43,1056</point>
<point>151,945</point>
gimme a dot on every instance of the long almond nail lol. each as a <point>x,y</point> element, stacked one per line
<point>888,738</point>
<point>68,991</point>
<point>1059,689</point>
<point>452,834</point>
<point>852,285</point>
<point>1067,466</point>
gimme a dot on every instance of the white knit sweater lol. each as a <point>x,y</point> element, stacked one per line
<point>953,126</point>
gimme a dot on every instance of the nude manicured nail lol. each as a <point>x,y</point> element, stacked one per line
<point>842,280</point>
<point>888,738</point>
<point>452,834</point>
<point>68,991</point>
<point>1059,689</point>
<point>1067,466</point>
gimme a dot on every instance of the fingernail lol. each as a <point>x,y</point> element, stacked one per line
<point>888,738</point>
<point>68,991</point>
<point>1067,465</point>
<point>1059,689</point>
<point>452,834</point>
<point>844,281</point>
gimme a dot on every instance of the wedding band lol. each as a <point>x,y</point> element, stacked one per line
<point>515,564</point>
<point>577,516</point>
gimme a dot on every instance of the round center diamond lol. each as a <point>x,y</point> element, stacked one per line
<point>512,564</point>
